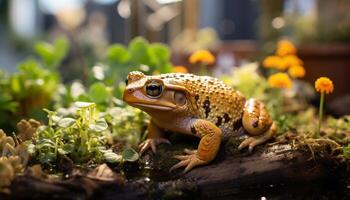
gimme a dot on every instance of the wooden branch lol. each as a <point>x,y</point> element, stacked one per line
<point>231,173</point>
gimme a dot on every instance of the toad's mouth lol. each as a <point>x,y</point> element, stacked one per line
<point>152,106</point>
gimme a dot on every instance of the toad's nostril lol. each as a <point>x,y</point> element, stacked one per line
<point>130,90</point>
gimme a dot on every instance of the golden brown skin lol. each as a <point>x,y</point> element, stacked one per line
<point>196,105</point>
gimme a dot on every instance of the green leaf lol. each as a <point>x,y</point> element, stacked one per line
<point>99,126</point>
<point>112,157</point>
<point>98,92</point>
<point>346,151</point>
<point>138,48</point>
<point>31,148</point>
<point>76,89</point>
<point>67,148</point>
<point>7,103</point>
<point>47,157</point>
<point>161,55</point>
<point>130,155</point>
<point>45,144</point>
<point>118,53</point>
<point>52,54</point>
<point>46,51</point>
<point>66,122</point>
<point>81,104</point>
<point>161,51</point>
<point>15,84</point>
<point>55,119</point>
<point>61,151</point>
<point>61,47</point>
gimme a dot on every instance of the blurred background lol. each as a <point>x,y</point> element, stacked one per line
<point>236,31</point>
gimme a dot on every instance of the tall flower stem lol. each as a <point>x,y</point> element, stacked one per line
<point>202,69</point>
<point>320,115</point>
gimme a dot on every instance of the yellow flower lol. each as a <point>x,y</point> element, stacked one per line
<point>203,56</point>
<point>275,62</point>
<point>296,71</point>
<point>280,80</point>
<point>180,69</point>
<point>291,60</point>
<point>324,85</point>
<point>285,47</point>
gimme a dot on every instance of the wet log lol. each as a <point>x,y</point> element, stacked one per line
<point>231,174</point>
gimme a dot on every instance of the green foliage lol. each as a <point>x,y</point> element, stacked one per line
<point>7,103</point>
<point>248,81</point>
<point>139,55</point>
<point>19,90</point>
<point>339,125</point>
<point>117,53</point>
<point>52,54</point>
<point>98,93</point>
<point>155,55</point>
<point>32,79</point>
<point>130,155</point>
<point>285,122</point>
<point>83,134</point>
<point>36,84</point>
<point>126,124</point>
<point>339,129</point>
<point>82,137</point>
<point>25,92</point>
<point>346,151</point>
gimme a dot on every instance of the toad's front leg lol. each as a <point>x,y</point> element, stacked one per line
<point>208,147</point>
<point>154,138</point>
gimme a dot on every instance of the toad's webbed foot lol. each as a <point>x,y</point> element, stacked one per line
<point>188,161</point>
<point>253,141</point>
<point>154,138</point>
<point>152,143</point>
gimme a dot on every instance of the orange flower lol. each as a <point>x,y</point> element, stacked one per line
<point>296,71</point>
<point>280,80</point>
<point>180,69</point>
<point>202,56</point>
<point>285,47</point>
<point>275,62</point>
<point>291,60</point>
<point>324,85</point>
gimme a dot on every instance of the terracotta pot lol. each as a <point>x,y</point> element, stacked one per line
<point>331,60</point>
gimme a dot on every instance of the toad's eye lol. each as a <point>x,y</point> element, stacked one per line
<point>154,89</point>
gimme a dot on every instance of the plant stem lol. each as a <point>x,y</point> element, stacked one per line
<point>320,115</point>
<point>202,69</point>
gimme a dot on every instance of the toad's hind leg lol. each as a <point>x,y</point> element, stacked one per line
<point>208,147</point>
<point>258,124</point>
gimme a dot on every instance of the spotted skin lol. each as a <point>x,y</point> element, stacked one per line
<point>212,99</point>
<point>210,111</point>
